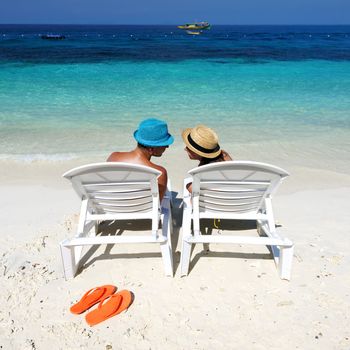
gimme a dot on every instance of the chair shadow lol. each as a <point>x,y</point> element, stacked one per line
<point>112,228</point>
<point>176,211</point>
<point>108,228</point>
<point>208,225</point>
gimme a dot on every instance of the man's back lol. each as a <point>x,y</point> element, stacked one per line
<point>153,139</point>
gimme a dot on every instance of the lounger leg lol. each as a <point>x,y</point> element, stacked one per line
<point>285,262</point>
<point>170,228</point>
<point>68,260</point>
<point>206,247</point>
<point>167,224</point>
<point>97,226</point>
<point>167,258</point>
<point>185,257</point>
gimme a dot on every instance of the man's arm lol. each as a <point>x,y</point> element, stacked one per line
<point>162,181</point>
<point>189,187</point>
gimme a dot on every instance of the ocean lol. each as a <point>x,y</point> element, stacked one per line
<point>273,93</point>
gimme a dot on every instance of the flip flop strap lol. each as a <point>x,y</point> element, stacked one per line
<point>100,304</point>
<point>102,301</point>
<point>92,290</point>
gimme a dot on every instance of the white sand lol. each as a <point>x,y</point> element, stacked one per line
<point>232,299</point>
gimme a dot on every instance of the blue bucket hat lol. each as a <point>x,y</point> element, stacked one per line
<point>153,133</point>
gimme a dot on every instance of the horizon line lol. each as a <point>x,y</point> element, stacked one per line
<point>174,24</point>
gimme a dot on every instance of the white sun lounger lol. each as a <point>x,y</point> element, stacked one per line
<point>117,191</point>
<point>237,190</point>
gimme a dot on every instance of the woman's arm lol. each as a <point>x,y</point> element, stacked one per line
<point>225,156</point>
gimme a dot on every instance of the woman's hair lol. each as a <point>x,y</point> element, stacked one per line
<point>205,161</point>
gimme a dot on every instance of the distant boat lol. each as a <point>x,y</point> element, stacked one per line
<point>195,26</point>
<point>53,37</point>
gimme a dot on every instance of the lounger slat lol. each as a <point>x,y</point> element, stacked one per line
<point>234,187</point>
<point>116,188</point>
<point>228,208</point>
<point>110,211</point>
<point>121,184</point>
<point>250,215</point>
<point>115,240</point>
<point>123,202</point>
<point>119,209</point>
<point>229,202</point>
<point>232,194</point>
<point>119,195</point>
<point>238,240</point>
<point>240,183</point>
<point>118,199</point>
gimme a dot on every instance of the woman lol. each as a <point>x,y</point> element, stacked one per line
<point>202,143</point>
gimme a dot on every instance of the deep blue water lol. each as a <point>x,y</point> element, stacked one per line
<point>86,44</point>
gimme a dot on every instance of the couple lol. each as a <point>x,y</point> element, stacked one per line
<point>153,138</point>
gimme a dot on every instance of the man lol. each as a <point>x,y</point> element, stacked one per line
<point>153,139</point>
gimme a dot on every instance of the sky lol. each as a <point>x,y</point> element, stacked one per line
<point>175,11</point>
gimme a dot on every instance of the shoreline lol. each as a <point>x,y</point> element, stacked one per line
<point>38,172</point>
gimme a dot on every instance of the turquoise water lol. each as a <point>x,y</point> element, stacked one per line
<point>272,109</point>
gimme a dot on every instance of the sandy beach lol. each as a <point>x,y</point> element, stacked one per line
<point>231,299</point>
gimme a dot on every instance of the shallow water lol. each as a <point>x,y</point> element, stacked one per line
<point>278,94</point>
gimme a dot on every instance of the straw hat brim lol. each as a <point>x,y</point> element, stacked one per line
<point>185,134</point>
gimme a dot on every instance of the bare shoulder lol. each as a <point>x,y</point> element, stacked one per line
<point>113,157</point>
<point>122,157</point>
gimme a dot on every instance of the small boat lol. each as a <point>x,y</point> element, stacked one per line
<point>195,26</point>
<point>53,36</point>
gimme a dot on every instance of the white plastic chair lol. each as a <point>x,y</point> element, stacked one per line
<point>117,191</point>
<point>236,190</point>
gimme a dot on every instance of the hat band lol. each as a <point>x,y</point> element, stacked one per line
<point>200,148</point>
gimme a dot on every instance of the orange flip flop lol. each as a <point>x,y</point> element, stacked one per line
<point>115,304</point>
<point>92,297</point>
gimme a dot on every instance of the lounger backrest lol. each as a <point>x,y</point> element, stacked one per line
<point>236,187</point>
<point>116,187</point>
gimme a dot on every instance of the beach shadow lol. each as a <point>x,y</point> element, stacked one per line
<point>113,228</point>
<point>209,225</point>
<point>176,211</point>
<point>232,255</point>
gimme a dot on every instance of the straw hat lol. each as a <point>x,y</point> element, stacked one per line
<point>202,141</point>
